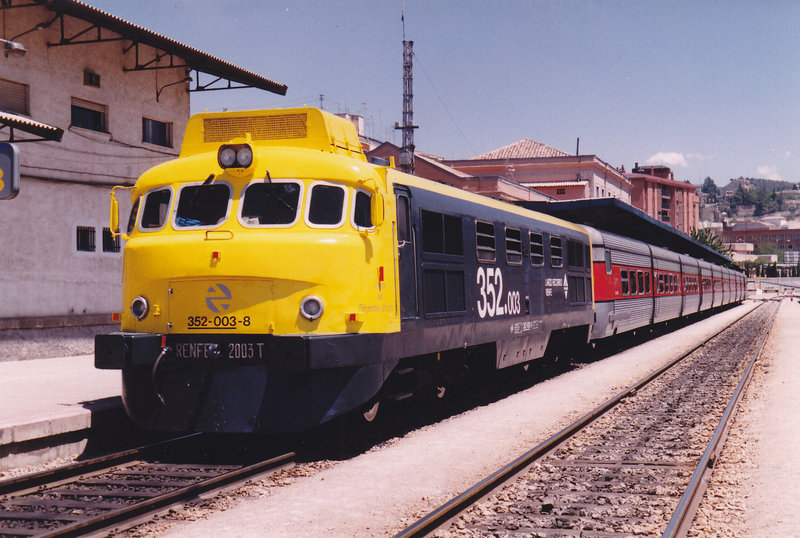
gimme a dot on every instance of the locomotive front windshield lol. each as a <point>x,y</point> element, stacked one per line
<point>274,203</point>
<point>326,206</point>
<point>202,205</point>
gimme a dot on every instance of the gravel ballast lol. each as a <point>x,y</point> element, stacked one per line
<point>379,492</point>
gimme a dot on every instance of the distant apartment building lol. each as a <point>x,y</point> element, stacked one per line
<point>655,191</point>
<point>120,93</point>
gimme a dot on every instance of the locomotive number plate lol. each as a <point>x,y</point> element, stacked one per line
<point>217,322</point>
<point>222,350</point>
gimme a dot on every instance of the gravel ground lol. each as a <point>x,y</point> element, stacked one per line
<point>25,344</point>
<point>755,486</point>
<point>379,492</point>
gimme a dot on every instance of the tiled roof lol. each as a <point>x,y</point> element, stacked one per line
<point>542,184</point>
<point>523,149</point>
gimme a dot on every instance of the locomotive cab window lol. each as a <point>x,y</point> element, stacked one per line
<point>484,242</point>
<point>362,210</point>
<point>202,206</point>
<point>132,217</point>
<point>271,203</point>
<point>326,205</point>
<point>154,212</point>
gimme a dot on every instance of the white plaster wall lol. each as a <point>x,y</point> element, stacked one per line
<point>41,273</point>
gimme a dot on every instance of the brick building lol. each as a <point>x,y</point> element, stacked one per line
<point>655,191</point>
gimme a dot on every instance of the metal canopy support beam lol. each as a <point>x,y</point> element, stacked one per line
<point>73,40</point>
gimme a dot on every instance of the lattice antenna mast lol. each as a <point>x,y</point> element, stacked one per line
<point>407,151</point>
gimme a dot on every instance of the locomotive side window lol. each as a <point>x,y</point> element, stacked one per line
<point>154,213</point>
<point>537,249</point>
<point>134,213</point>
<point>513,246</point>
<point>326,205</point>
<point>272,203</point>
<point>362,214</point>
<point>556,252</point>
<point>485,244</point>
<point>441,234</point>
<point>403,229</point>
<point>575,254</point>
<point>202,205</point>
<point>623,276</point>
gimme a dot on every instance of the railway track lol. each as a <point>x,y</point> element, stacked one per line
<point>636,465</point>
<point>116,491</point>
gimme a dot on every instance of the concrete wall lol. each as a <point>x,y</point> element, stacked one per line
<point>65,185</point>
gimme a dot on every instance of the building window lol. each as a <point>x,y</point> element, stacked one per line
<point>157,132</point>
<point>561,191</point>
<point>90,78</point>
<point>14,97</point>
<point>85,239</point>
<point>110,243</point>
<point>89,115</point>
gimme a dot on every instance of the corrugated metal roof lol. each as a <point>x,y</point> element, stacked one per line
<point>48,132</point>
<point>523,149</point>
<point>197,59</point>
<point>573,183</point>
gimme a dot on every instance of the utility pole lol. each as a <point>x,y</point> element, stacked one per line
<point>407,150</point>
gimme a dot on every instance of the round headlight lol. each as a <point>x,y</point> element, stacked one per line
<point>311,307</point>
<point>227,157</point>
<point>139,307</point>
<point>244,157</point>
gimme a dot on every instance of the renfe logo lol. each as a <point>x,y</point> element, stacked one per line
<point>219,297</point>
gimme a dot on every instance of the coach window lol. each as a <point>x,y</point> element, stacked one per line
<point>556,252</point>
<point>273,203</point>
<point>640,281</point>
<point>441,234</point>
<point>623,276</point>
<point>326,205</point>
<point>202,206</point>
<point>484,242</point>
<point>632,281</point>
<point>154,213</point>
<point>362,211</point>
<point>647,282</point>
<point>513,246</point>
<point>607,257</point>
<point>537,249</point>
<point>660,283</point>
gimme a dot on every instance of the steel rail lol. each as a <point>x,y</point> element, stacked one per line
<point>155,504</point>
<point>24,483</point>
<point>682,518</point>
<point>450,509</point>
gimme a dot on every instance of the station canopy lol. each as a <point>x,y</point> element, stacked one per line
<point>615,216</point>
<point>169,54</point>
<point>15,124</point>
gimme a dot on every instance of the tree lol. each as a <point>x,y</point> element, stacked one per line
<point>710,189</point>
<point>710,239</point>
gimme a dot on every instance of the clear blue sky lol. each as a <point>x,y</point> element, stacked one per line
<point>711,88</point>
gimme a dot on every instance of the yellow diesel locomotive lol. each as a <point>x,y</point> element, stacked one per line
<point>273,279</point>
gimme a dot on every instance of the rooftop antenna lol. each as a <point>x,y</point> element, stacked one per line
<point>321,99</point>
<point>407,128</point>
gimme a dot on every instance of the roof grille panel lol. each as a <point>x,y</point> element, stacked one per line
<point>287,126</point>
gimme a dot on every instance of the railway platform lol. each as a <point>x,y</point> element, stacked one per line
<point>49,407</point>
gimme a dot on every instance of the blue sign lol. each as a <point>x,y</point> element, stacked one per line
<point>9,171</point>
